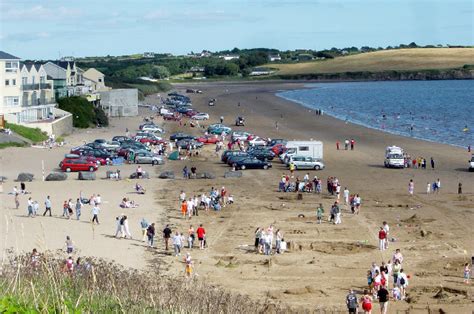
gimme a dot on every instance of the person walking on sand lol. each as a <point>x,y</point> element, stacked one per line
<point>366,302</point>
<point>386,228</point>
<point>150,233</point>
<point>30,207</point>
<point>78,208</point>
<point>351,302</point>
<point>17,199</point>
<point>346,144</point>
<point>346,194</point>
<point>382,239</point>
<point>188,270</point>
<point>383,295</point>
<point>402,283</point>
<point>337,145</point>
<point>66,209</point>
<point>95,214</point>
<point>438,185</point>
<point>352,144</point>
<point>201,233</point>
<point>432,163</point>
<point>144,226</point>
<point>191,237</point>
<point>428,188</point>
<point>177,243</point>
<point>69,245</point>
<point>47,205</point>
<point>184,208</point>
<point>467,273</point>
<point>319,213</point>
<point>166,236</point>
<point>459,188</point>
<point>411,187</point>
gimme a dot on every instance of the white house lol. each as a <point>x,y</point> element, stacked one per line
<point>95,80</point>
<point>229,57</point>
<point>274,57</point>
<point>10,92</point>
<point>37,99</point>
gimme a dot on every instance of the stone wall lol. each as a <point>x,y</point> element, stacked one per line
<point>62,125</point>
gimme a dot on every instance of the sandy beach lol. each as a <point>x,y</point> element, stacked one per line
<point>434,232</point>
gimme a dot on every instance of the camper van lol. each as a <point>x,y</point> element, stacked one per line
<point>303,148</point>
<point>394,157</point>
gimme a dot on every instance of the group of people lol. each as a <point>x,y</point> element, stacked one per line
<point>215,200</point>
<point>347,143</point>
<point>264,241</point>
<point>379,279</point>
<point>417,162</point>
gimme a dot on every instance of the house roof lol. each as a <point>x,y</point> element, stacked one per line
<point>64,64</point>
<point>29,65</point>
<point>92,74</point>
<point>7,56</point>
<point>54,71</point>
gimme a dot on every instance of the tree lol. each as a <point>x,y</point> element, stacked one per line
<point>160,72</point>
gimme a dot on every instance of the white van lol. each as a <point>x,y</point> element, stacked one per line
<point>471,164</point>
<point>394,157</point>
<point>303,148</point>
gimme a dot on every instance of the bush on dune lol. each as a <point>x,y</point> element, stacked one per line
<point>84,114</point>
<point>98,286</point>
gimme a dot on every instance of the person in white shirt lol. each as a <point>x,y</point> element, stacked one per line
<point>397,256</point>
<point>346,196</point>
<point>182,196</point>
<point>30,207</point>
<point>98,199</point>
<point>386,228</point>
<point>95,212</point>
<point>177,243</point>
<point>190,207</point>
<point>402,283</point>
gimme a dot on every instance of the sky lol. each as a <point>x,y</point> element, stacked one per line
<point>50,29</point>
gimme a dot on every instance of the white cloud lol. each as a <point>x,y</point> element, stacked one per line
<point>39,12</point>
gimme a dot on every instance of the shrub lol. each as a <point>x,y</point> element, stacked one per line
<point>83,112</point>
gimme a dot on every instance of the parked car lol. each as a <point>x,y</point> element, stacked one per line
<point>172,116</point>
<point>219,129</point>
<point>212,102</point>
<point>184,143</point>
<point>257,141</point>
<point>208,139</point>
<point>263,154</point>
<point>191,113</point>
<point>148,123</point>
<point>240,136</point>
<point>201,116</point>
<point>110,145</point>
<point>233,158</point>
<point>181,136</point>
<point>120,138</point>
<point>240,121</point>
<point>276,141</point>
<point>226,154</point>
<point>77,164</point>
<point>146,157</point>
<point>183,109</point>
<point>99,153</point>
<point>251,163</point>
<point>152,128</point>
<point>306,162</point>
<point>278,149</point>
<point>99,161</point>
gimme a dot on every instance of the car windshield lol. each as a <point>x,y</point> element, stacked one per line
<point>396,156</point>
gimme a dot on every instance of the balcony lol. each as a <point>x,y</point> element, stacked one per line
<point>37,102</point>
<point>39,86</point>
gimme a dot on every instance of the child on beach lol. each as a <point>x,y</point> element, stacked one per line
<point>69,245</point>
<point>467,273</point>
<point>319,213</point>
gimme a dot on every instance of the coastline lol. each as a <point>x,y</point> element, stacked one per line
<point>359,123</point>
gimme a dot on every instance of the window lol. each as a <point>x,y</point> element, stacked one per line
<point>24,80</point>
<point>11,67</point>
<point>7,82</point>
<point>42,79</point>
<point>11,101</point>
<point>14,82</point>
<point>33,80</point>
<point>303,148</point>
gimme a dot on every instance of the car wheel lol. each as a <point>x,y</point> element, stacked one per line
<point>317,167</point>
<point>91,169</point>
<point>265,167</point>
<point>154,162</point>
<point>68,169</point>
<point>242,167</point>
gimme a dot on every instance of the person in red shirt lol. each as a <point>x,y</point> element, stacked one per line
<point>352,144</point>
<point>382,237</point>
<point>201,233</point>
<point>337,145</point>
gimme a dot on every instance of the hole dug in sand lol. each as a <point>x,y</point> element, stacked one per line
<point>341,248</point>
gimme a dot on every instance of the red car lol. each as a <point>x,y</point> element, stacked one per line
<point>278,149</point>
<point>77,164</point>
<point>208,139</point>
<point>172,116</point>
<point>191,113</point>
<point>97,160</point>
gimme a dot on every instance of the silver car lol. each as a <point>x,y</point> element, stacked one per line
<point>148,158</point>
<point>306,162</point>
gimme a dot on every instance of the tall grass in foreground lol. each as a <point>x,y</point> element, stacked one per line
<point>103,287</point>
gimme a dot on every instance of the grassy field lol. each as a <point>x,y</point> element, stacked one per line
<point>400,60</point>
<point>34,135</point>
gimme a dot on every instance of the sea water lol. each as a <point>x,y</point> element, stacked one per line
<point>439,111</point>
